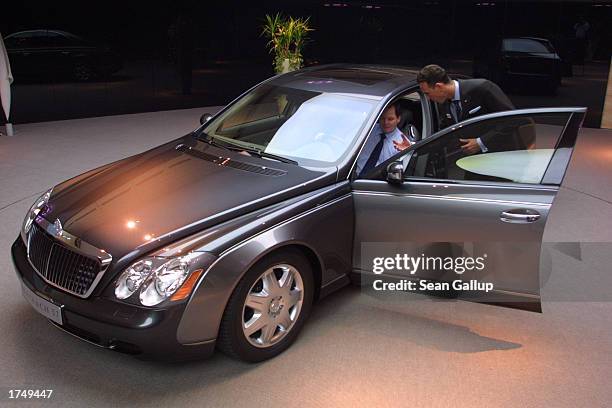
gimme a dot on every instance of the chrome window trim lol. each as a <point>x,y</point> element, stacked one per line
<point>77,245</point>
<point>478,183</point>
<point>437,182</point>
<point>464,199</point>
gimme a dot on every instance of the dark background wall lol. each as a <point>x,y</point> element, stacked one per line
<point>226,53</point>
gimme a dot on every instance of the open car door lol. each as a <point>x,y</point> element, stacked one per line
<point>474,219</point>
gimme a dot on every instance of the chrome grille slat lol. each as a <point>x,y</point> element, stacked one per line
<point>51,275</point>
<point>54,267</point>
<point>40,247</point>
<point>69,261</point>
<point>60,257</point>
<point>60,265</point>
<point>74,279</point>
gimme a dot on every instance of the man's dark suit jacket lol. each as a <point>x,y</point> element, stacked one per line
<point>479,97</point>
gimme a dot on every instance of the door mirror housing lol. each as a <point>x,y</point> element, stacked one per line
<point>205,118</point>
<point>395,173</point>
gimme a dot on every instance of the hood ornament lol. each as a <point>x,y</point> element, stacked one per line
<point>59,230</point>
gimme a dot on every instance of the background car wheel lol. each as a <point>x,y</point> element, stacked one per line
<point>82,71</point>
<point>268,308</point>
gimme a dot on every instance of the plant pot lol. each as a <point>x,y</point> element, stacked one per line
<point>287,65</point>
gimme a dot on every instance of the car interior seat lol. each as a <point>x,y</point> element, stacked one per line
<point>411,119</point>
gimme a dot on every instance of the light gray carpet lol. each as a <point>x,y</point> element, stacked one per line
<point>357,349</point>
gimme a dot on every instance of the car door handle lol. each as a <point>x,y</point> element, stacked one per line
<point>520,216</point>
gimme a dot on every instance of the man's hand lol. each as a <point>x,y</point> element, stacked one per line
<point>469,146</point>
<point>404,144</point>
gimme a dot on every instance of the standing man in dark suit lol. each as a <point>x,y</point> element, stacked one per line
<point>459,100</point>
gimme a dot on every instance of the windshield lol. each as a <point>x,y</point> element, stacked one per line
<point>312,128</point>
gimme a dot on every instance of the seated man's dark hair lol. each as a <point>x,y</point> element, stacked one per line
<point>432,74</point>
<point>396,108</point>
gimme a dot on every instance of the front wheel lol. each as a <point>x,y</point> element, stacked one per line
<point>82,71</point>
<point>268,308</point>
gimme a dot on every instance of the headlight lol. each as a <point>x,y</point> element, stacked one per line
<point>132,278</point>
<point>159,279</point>
<point>164,282</point>
<point>36,208</point>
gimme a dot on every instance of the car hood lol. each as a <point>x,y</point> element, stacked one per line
<point>170,192</point>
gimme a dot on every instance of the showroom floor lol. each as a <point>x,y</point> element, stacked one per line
<point>357,349</point>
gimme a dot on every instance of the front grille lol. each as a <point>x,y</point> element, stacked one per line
<point>60,265</point>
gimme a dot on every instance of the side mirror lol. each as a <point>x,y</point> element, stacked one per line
<point>395,173</point>
<point>205,118</point>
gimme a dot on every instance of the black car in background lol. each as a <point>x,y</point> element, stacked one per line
<point>55,53</point>
<point>529,61</point>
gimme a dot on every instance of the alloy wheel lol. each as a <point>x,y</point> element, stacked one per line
<point>272,305</point>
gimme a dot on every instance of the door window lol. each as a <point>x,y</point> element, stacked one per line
<point>411,122</point>
<point>507,149</point>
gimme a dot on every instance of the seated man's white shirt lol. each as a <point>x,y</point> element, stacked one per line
<point>388,148</point>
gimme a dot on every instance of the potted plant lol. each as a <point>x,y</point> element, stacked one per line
<point>287,36</point>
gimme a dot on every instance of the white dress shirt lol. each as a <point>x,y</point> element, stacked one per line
<point>388,148</point>
<point>457,97</point>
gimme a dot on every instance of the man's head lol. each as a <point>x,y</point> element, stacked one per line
<point>435,83</point>
<point>390,118</point>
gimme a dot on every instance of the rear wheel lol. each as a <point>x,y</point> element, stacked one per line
<point>268,307</point>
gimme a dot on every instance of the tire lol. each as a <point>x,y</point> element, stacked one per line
<point>263,318</point>
<point>83,72</point>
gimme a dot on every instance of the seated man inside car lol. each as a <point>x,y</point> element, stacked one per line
<point>384,141</point>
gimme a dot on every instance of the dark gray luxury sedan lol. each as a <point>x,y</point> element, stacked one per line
<point>226,236</point>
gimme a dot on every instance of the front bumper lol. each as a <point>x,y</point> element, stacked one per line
<point>131,329</point>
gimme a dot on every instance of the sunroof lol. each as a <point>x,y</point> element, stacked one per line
<point>364,76</point>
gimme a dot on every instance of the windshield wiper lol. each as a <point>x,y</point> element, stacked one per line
<point>219,143</point>
<point>261,153</point>
<point>240,148</point>
<point>208,139</point>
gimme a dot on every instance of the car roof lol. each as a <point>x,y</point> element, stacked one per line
<point>44,31</point>
<point>360,80</point>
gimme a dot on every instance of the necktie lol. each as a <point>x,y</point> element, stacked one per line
<point>375,155</point>
<point>458,111</point>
